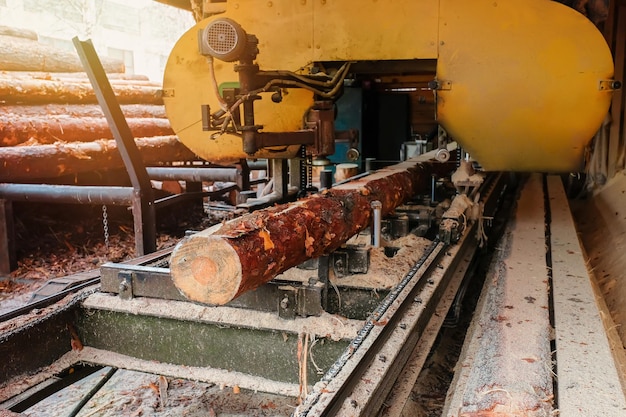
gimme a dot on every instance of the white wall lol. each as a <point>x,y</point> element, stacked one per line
<point>147,28</point>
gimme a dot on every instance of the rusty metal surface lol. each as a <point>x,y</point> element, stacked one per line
<point>506,364</point>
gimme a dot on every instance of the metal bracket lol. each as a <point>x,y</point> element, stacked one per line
<point>126,285</point>
<point>300,300</point>
<point>440,85</point>
<point>350,260</point>
<point>287,303</point>
<point>395,227</point>
<point>168,92</point>
<point>609,85</point>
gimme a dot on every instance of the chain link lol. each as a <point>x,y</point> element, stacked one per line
<point>105,225</point>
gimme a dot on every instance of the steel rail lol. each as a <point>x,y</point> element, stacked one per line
<point>94,280</point>
<point>336,385</point>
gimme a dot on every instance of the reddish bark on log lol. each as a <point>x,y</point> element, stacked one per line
<point>79,111</point>
<point>35,91</point>
<point>61,76</point>
<point>21,54</point>
<point>23,163</point>
<point>221,263</point>
<point>45,130</point>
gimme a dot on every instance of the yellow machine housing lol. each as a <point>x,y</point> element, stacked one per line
<point>522,86</point>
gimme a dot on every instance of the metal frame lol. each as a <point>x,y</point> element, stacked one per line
<point>143,197</point>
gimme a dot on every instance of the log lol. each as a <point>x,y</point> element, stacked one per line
<point>20,54</point>
<point>78,78</point>
<point>218,264</point>
<point>18,33</point>
<point>49,91</point>
<point>45,130</point>
<point>345,171</point>
<point>60,76</point>
<point>27,163</point>
<point>80,111</point>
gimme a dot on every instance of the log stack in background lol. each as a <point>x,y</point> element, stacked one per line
<point>51,124</point>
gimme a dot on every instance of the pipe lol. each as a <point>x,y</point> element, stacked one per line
<point>258,165</point>
<point>73,194</point>
<point>326,179</point>
<point>192,174</point>
<point>376,222</point>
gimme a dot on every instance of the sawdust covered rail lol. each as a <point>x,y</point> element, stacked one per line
<point>334,389</point>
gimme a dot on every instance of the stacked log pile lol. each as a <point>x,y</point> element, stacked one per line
<point>51,124</point>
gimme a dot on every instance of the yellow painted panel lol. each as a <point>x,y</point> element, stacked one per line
<point>284,30</point>
<point>375,29</point>
<point>524,82</point>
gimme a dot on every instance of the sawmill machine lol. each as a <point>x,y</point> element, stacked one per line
<point>259,79</point>
<point>300,296</point>
<point>519,88</point>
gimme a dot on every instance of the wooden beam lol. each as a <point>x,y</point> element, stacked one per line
<point>617,105</point>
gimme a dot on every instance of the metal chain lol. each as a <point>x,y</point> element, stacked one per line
<point>105,225</point>
<point>309,167</point>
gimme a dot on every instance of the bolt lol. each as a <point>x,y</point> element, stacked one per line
<point>339,265</point>
<point>403,326</point>
<point>382,358</point>
<point>417,300</point>
<point>430,282</point>
<point>123,286</point>
<point>353,403</point>
<point>284,303</point>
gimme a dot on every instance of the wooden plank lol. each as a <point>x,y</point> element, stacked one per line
<point>609,25</point>
<point>617,105</point>
<point>587,378</point>
<point>505,365</point>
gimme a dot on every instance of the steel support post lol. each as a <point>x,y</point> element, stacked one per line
<point>143,201</point>
<point>7,238</point>
<point>280,173</point>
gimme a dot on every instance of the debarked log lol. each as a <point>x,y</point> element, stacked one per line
<point>46,130</point>
<point>24,163</point>
<point>218,264</point>
<point>65,76</point>
<point>79,110</point>
<point>36,91</point>
<point>18,33</point>
<point>21,54</point>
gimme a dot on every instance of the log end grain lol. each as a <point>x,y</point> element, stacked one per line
<point>206,269</point>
